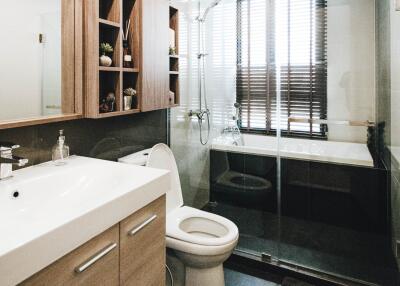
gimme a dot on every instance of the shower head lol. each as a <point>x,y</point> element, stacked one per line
<point>212,5</point>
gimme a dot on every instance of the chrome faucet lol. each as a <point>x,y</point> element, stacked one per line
<point>233,128</point>
<point>7,159</point>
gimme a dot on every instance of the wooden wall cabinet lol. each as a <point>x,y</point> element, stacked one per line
<point>174,98</point>
<point>133,254</point>
<point>155,48</point>
<point>151,75</point>
<point>104,22</point>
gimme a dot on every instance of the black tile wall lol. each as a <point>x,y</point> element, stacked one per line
<point>108,138</point>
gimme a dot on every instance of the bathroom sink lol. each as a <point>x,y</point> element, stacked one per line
<point>47,211</point>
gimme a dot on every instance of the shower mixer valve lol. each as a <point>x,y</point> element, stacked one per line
<point>199,113</point>
<point>200,55</point>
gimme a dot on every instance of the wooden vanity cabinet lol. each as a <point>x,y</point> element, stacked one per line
<point>142,249</point>
<point>130,253</point>
<point>105,271</point>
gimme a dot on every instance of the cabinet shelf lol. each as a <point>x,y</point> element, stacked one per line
<point>109,23</point>
<point>118,113</point>
<point>135,70</point>
<point>109,69</point>
<point>105,22</point>
<point>174,99</point>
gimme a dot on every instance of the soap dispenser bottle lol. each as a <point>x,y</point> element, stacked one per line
<point>60,151</point>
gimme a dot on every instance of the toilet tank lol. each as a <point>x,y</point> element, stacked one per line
<point>138,158</point>
<point>162,158</point>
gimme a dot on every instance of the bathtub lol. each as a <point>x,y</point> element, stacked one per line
<point>304,149</point>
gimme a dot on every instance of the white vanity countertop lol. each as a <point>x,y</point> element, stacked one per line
<point>61,207</point>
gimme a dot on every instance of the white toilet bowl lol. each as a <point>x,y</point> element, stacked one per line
<point>200,240</point>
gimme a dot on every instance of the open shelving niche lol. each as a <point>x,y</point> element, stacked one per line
<point>112,16</point>
<point>174,59</point>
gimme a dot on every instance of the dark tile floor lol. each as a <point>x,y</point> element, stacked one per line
<point>246,275</point>
<point>327,248</point>
<point>236,278</point>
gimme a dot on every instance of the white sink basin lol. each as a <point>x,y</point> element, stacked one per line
<point>47,211</point>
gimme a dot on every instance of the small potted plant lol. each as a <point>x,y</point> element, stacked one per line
<point>172,51</point>
<point>129,98</point>
<point>105,48</point>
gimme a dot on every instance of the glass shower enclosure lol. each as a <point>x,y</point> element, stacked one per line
<point>311,184</point>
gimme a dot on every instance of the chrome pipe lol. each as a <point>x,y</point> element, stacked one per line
<point>365,123</point>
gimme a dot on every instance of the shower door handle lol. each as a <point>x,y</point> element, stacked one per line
<point>365,123</point>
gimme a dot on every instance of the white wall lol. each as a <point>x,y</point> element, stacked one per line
<point>21,57</point>
<point>351,66</point>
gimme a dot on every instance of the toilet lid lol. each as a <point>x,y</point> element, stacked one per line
<point>161,157</point>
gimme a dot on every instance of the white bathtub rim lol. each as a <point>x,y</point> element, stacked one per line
<point>366,162</point>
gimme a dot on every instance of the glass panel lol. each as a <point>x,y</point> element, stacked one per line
<point>334,192</point>
<point>243,187</point>
<point>335,214</point>
<point>317,195</point>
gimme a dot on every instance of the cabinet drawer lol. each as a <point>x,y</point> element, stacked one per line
<point>142,249</point>
<point>94,263</point>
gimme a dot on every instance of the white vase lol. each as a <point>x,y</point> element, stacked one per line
<point>105,61</point>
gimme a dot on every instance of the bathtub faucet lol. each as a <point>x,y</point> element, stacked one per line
<point>233,128</point>
<point>234,132</point>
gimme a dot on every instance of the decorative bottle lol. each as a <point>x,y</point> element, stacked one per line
<point>127,55</point>
<point>60,151</point>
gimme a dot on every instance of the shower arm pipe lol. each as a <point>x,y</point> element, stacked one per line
<point>365,123</point>
<point>212,5</point>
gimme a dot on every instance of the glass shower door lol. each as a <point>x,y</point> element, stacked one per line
<point>333,193</point>
<point>256,204</point>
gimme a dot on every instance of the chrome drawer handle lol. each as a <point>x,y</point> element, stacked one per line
<point>139,227</point>
<point>92,260</point>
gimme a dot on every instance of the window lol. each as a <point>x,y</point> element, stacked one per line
<point>281,46</point>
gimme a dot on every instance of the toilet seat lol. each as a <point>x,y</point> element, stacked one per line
<point>199,227</point>
<point>161,157</point>
<point>188,229</point>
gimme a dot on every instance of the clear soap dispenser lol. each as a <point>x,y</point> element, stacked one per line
<point>60,151</point>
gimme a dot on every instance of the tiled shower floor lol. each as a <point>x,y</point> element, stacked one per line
<point>323,247</point>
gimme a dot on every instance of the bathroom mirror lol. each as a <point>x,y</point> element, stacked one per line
<point>41,75</point>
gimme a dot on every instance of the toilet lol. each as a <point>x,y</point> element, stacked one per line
<point>198,242</point>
